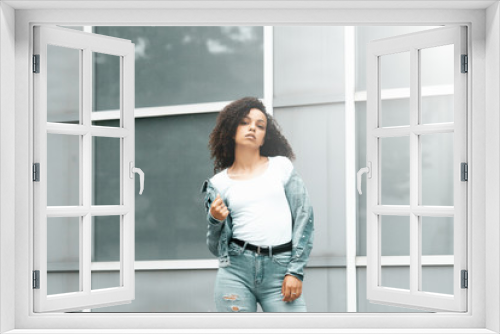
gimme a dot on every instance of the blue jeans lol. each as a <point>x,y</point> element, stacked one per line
<point>252,278</point>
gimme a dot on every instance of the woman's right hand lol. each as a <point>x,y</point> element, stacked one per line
<point>218,210</point>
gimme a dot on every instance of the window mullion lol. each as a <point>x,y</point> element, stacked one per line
<point>86,178</point>
<point>350,166</point>
<point>414,172</point>
<point>269,69</point>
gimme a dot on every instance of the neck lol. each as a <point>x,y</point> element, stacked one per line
<point>245,159</point>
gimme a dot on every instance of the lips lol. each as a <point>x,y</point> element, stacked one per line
<point>250,136</point>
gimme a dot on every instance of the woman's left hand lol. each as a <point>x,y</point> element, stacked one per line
<point>291,288</point>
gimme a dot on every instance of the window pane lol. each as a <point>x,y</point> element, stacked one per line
<point>395,112</point>
<point>437,66</point>
<point>437,239</point>
<point>106,84</point>
<point>436,72</point>
<point>170,216</point>
<point>63,255</point>
<point>185,65</point>
<point>395,241</point>
<point>106,171</point>
<point>437,169</point>
<point>106,248</point>
<point>63,170</point>
<point>63,84</point>
<point>308,61</point>
<point>394,73</point>
<point>317,136</point>
<point>437,109</point>
<point>438,279</point>
<point>437,235</point>
<point>395,170</point>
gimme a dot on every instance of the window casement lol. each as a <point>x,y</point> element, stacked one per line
<point>63,195</point>
<point>430,144</point>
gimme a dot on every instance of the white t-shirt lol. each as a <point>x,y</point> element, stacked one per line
<point>258,206</point>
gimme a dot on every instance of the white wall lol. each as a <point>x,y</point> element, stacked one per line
<point>7,160</point>
<point>492,170</point>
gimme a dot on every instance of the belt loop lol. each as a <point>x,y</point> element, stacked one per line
<point>270,251</point>
<point>258,250</point>
<point>245,246</point>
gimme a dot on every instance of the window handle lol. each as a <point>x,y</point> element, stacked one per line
<point>141,175</point>
<point>368,171</point>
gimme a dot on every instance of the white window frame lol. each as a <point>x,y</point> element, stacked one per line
<point>484,233</point>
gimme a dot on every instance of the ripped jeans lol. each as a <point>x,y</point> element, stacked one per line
<point>252,278</point>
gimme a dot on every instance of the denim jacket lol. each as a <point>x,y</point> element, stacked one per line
<point>220,233</point>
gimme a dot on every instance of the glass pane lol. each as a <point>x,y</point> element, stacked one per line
<point>395,241</point>
<point>185,65</point>
<point>316,68</point>
<point>437,109</point>
<point>437,239</point>
<point>63,170</point>
<point>438,279</point>
<point>395,112</point>
<point>437,235</point>
<point>106,171</point>
<point>106,247</point>
<point>63,84</point>
<point>63,255</point>
<point>172,152</point>
<point>395,170</point>
<point>437,66</point>
<point>394,73</point>
<point>437,169</point>
<point>106,84</point>
<point>321,144</point>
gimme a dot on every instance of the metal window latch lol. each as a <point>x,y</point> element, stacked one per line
<point>139,171</point>
<point>368,171</point>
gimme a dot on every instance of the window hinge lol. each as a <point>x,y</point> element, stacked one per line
<point>36,63</point>
<point>465,64</point>
<point>465,171</point>
<point>465,279</point>
<point>36,172</point>
<point>36,279</point>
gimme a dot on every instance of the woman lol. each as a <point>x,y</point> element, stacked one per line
<point>260,221</point>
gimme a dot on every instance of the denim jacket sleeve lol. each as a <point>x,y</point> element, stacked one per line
<point>302,224</point>
<point>214,226</point>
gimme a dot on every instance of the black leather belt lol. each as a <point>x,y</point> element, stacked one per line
<point>264,250</point>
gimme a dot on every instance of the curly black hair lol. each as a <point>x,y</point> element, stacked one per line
<point>221,141</point>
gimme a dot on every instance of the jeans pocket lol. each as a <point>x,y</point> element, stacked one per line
<point>283,259</point>
<point>234,249</point>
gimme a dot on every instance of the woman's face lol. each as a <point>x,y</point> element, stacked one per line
<point>252,129</point>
